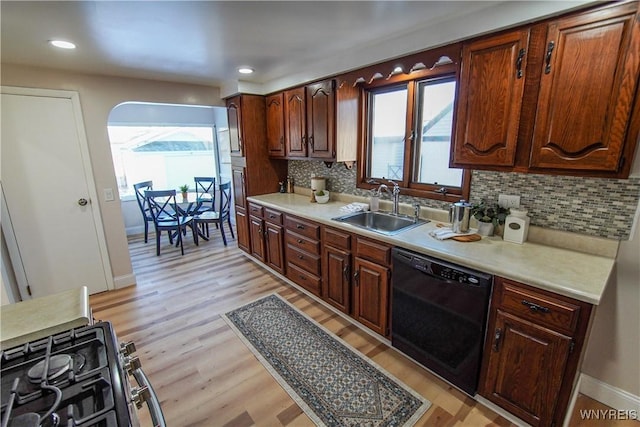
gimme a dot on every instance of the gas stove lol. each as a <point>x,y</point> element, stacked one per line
<point>75,378</point>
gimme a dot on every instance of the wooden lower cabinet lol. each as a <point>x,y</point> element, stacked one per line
<point>274,246</point>
<point>371,295</point>
<point>242,229</point>
<point>256,232</point>
<point>336,278</point>
<point>533,345</point>
<point>302,253</point>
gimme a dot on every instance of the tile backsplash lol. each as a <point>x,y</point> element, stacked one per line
<point>593,206</point>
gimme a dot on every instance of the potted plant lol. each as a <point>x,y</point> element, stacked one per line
<point>184,189</point>
<point>322,196</point>
<point>489,217</point>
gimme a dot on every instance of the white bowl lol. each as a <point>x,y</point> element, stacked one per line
<point>323,199</point>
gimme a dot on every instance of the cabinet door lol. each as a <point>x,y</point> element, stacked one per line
<point>295,123</point>
<point>237,177</point>
<point>256,232</point>
<point>274,238</point>
<point>275,125</point>
<point>371,295</point>
<point>489,101</point>
<point>588,82</point>
<point>235,125</point>
<point>347,122</point>
<point>242,228</point>
<point>336,278</point>
<point>321,107</point>
<point>530,393</point>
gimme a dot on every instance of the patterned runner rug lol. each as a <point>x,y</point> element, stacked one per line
<point>333,383</point>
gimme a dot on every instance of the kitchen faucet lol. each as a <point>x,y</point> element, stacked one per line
<point>395,193</point>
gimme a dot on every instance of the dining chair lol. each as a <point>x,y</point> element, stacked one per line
<point>166,217</point>
<point>205,193</point>
<point>139,189</point>
<point>221,215</point>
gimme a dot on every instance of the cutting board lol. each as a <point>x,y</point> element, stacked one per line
<point>466,238</point>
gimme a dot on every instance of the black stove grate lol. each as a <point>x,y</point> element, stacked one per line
<point>91,391</point>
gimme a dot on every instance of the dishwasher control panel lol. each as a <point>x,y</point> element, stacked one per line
<point>443,269</point>
<point>453,274</point>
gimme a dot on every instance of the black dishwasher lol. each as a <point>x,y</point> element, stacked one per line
<point>439,315</point>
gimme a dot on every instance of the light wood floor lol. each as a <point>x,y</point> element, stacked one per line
<point>205,376</point>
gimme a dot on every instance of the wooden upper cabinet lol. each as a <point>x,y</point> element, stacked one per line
<point>295,122</point>
<point>587,87</point>
<point>275,125</point>
<point>321,103</point>
<point>489,100</point>
<point>235,125</point>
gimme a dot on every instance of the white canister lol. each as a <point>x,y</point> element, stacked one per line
<point>318,183</point>
<point>516,226</point>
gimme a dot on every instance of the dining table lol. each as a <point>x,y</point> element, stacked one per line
<point>189,206</point>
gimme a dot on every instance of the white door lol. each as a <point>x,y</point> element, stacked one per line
<point>46,177</point>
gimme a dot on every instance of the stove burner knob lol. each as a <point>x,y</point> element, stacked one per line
<point>139,395</point>
<point>127,348</point>
<point>131,364</point>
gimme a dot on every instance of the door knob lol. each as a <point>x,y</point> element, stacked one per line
<point>82,201</point>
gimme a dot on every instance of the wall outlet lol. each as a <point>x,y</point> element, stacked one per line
<point>507,201</point>
<point>108,194</point>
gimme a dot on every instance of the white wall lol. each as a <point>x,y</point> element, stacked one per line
<point>613,352</point>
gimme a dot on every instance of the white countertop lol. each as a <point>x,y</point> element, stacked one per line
<point>566,272</point>
<point>40,317</point>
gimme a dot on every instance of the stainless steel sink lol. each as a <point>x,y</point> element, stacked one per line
<point>380,222</point>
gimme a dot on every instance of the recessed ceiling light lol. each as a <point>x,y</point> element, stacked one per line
<point>245,70</point>
<point>62,44</point>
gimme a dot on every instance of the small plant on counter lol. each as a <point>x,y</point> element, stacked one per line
<point>184,188</point>
<point>493,214</point>
<point>320,193</point>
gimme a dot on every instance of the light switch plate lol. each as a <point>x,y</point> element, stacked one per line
<point>108,194</point>
<point>507,201</point>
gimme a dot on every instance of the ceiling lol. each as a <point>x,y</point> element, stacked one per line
<point>204,42</point>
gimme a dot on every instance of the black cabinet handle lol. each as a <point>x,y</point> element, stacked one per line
<point>355,277</point>
<point>519,63</point>
<point>547,60</point>
<point>300,227</point>
<point>535,307</point>
<point>300,257</point>
<point>496,339</point>
<point>300,241</point>
<point>311,142</point>
<point>345,272</point>
<point>281,141</point>
<point>272,216</point>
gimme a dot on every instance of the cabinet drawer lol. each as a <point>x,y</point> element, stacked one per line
<point>255,210</point>
<point>336,238</point>
<point>299,241</point>
<point>305,260</point>
<point>373,251</point>
<point>272,216</point>
<point>539,307</point>
<point>306,280</point>
<point>300,226</point>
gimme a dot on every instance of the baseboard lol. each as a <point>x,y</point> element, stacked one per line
<point>124,281</point>
<point>131,231</point>
<point>609,395</point>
